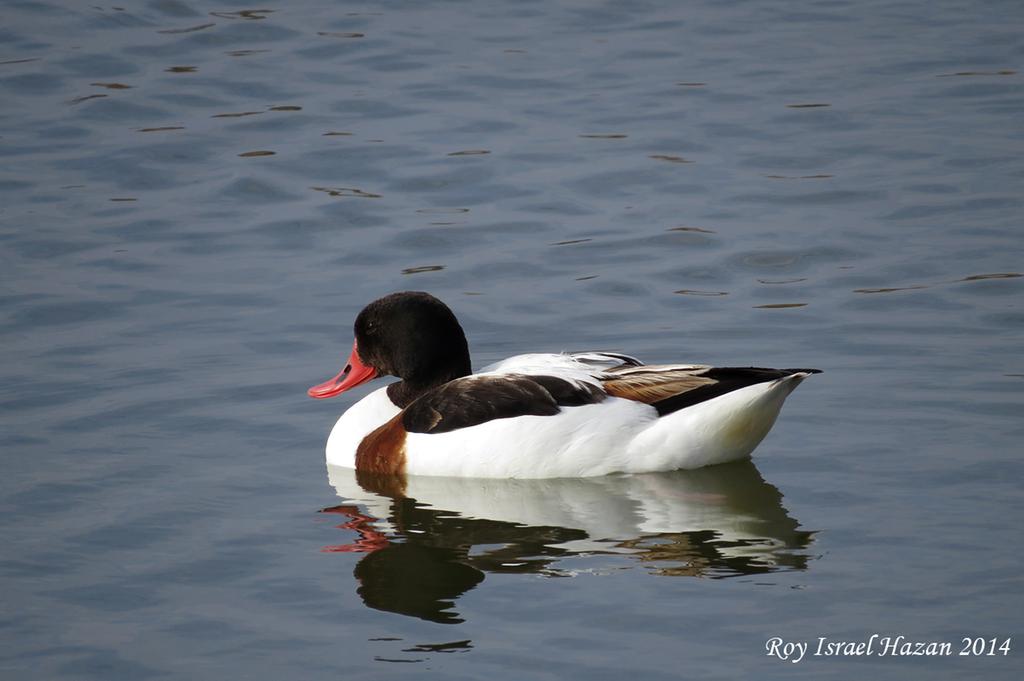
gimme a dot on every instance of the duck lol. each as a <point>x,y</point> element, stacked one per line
<point>537,415</point>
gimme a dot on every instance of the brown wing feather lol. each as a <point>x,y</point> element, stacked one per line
<point>671,388</point>
<point>650,384</point>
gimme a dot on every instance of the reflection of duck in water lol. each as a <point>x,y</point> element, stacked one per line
<point>428,540</point>
<point>535,416</point>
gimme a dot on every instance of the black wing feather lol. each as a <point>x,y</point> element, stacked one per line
<point>473,400</point>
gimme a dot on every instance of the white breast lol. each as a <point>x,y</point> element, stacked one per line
<point>361,419</point>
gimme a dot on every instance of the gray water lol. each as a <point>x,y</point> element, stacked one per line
<point>197,198</point>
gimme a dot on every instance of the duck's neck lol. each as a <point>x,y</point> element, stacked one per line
<point>407,390</point>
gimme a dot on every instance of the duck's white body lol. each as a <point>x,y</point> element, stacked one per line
<point>612,435</point>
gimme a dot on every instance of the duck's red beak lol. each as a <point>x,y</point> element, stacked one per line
<point>355,373</point>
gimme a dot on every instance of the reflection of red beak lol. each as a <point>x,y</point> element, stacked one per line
<point>355,373</point>
<point>370,538</point>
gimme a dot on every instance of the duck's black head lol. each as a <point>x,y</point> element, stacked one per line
<point>411,335</point>
<point>414,336</point>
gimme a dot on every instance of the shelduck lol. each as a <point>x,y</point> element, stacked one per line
<point>535,415</point>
